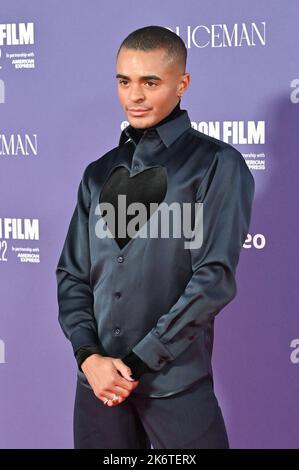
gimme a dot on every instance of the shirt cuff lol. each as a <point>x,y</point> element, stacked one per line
<point>85,351</point>
<point>152,351</point>
<point>137,366</point>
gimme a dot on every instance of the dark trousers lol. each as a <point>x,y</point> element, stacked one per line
<point>191,419</point>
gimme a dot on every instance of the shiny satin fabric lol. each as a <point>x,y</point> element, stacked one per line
<point>169,295</point>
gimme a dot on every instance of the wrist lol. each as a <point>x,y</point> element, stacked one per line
<point>89,360</point>
<point>85,352</point>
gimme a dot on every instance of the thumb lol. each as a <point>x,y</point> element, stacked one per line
<point>124,369</point>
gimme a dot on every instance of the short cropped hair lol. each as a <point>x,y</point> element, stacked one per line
<point>157,37</point>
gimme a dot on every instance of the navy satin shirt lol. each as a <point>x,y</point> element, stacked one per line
<point>150,189</point>
<point>153,296</point>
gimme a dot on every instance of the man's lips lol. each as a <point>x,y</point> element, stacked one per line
<point>138,111</point>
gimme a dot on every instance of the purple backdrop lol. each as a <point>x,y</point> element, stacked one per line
<point>59,110</point>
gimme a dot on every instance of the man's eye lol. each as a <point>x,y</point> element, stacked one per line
<point>125,82</point>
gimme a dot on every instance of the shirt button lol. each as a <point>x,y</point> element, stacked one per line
<point>116,331</point>
<point>136,167</point>
<point>120,259</point>
<point>117,295</point>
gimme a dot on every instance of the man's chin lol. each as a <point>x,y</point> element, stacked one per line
<point>139,122</point>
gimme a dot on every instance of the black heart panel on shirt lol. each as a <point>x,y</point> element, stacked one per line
<point>148,186</point>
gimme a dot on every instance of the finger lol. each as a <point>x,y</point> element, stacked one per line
<point>123,369</point>
<point>119,391</point>
<point>124,383</point>
<point>113,402</point>
<point>109,395</point>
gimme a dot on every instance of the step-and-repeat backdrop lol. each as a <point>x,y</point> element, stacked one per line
<point>59,111</point>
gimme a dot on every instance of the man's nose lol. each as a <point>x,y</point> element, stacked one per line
<point>136,93</point>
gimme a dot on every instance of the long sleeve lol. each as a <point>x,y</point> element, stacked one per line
<point>226,192</point>
<point>75,296</point>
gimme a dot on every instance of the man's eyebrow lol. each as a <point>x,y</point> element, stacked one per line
<point>144,77</point>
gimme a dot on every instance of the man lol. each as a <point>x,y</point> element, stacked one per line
<point>139,310</point>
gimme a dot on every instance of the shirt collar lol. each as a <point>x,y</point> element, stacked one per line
<point>168,132</point>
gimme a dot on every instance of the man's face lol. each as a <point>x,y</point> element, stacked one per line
<point>139,89</point>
